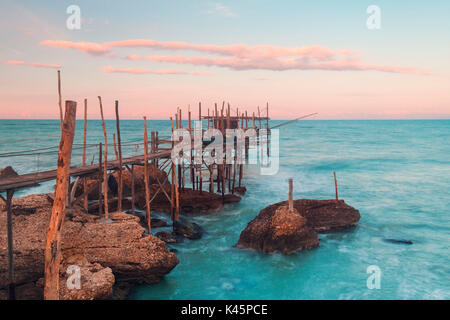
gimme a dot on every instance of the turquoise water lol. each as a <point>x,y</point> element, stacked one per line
<point>397,173</point>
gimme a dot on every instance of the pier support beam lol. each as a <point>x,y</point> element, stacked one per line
<point>53,245</point>
<point>11,283</point>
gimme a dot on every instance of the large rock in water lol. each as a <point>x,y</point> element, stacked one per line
<point>323,215</point>
<point>7,172</point>
<point>120,247</point>
<point>279,230</point>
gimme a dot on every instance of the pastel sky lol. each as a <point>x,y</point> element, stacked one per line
<point>300,56</point>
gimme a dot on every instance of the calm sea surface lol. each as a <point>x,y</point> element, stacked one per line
<point>396,173</point>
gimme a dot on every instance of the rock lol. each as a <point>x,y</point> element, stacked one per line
<point>91,185</point>
<point>8,172</point>
<point>240,190</point>
<point>324,215</point>
<point>192,202</point>
<point>189,230</point>
<point>166,237</point>
<point>154,174</point>
<point>121,246</point>
<point>399,241</point>
<point>96,282</point>
<point>158,223</point>
<point>30,204</point>
<point>280,230</point>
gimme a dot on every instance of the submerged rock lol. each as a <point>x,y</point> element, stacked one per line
<point>189,230</point>
<point>399,241</point>
<point>166,237</point>
<point>279,230</point>
<point>122,246</point>
<point>324,215</point>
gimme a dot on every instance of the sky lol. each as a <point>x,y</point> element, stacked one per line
<point>299,56</point>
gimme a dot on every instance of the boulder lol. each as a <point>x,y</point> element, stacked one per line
<point>192,202</point>
<point>8,172</point>
<point>166,237</point>
<point>324,215</point>
<point>280,230</point>
<point>121,246</point>
<point>30,204</point>
<point>187,229</point>
<point>96,281</point>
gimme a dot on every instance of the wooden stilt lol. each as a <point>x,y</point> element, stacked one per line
<point>100,179</point>
<point>336,186</point>
<point>291,200</point>
<point>119,142</point>
<point>201,134</point>
<point>115,146</point>
<point>105,160</point>
<point>133,196</point>
<point>147,187</point>
<point>53,244</point>
<point>85,198</point>
<point>60,101</point>
<point>11,283</point>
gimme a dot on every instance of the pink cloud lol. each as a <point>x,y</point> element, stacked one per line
<point>88,47</point>
<point>110,69</point>
<point>33,64</point>
<point>239,50</point>
<point>244,57</point>
<point>278,64</point>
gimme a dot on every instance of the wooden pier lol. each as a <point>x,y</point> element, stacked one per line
<point>223,178</point>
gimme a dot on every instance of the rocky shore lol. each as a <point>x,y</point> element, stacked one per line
<point>111,255</point>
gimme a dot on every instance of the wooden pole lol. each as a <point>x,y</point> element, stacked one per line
<point>60,100</point>
<point>259,116</point>
<point>291,200</point>
<point>201,134</point>
<point>115,146</point>
<point>53,245</point>
<point>132,190</point>
<point>100,178</point>
<point>267,125</point>
<point>336,185</point>
<point>105,160</point>
<point>119,142</point>
<point>85,200</point>
<point>172,186</point>
<point>11,283</point>
<point>147,191</point>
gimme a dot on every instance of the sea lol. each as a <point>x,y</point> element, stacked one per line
<point>395,172</point>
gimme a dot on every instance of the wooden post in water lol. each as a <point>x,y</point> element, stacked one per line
<point>85,200</point>
<point>105,160</point>
<point>53,244</point>
<point>172,186</point>
<point>147,191</point>
<point>11,283</point>
<point>335,186</point>
<point>291,200</point>
<point>119,142</point>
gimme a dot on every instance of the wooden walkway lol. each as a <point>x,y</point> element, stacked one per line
<point>31,179</point>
